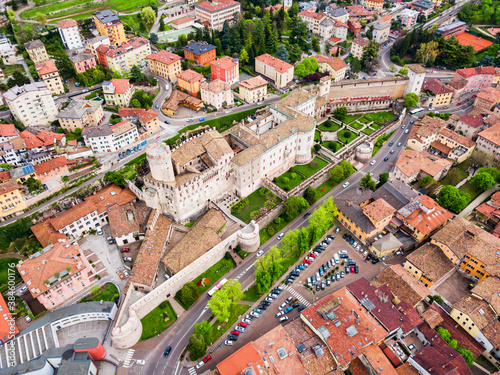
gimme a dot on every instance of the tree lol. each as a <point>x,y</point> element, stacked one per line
<point>263,281</point>
<point>336,175</point>
<point>153,38</point>
<point>436,298</point>
<point>368,182</point>
<point>311,195</point>
<point>315,44</point>
<point>355,65</point>
<point>483,180</point>
<point>42,18</point>
<point>494,172</point>
<point>369,33</point>
<point>427,53</point>
<point>117,75</point>
<point>294,206</point>
<point>453,199</point>
<point>115,177</point>
<point>197,346</point>
<point>340,113</point>
<point>204,329</point>
<point>321,219</point>
<point>148,15</point>
<point>411,100</point>
<point>232,290</point>
<point>33,185</point>
<point>486,61</point>
<point>295,53</point>
<point>382,179</point>
<point>136,75</point>
<point>220,306</point>
<point>244,55</point>
<point>162,24</point>
<point>134,103</point>
<point>426,180</point>
<point>282,53</point>
<point>188,294</point>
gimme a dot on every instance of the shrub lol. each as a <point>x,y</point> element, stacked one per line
<point>294,176</point>
<point>317,147</point>
<point>347,134</point>
<point>263,191</point>
<point>227,255</point>
<point>278,220</point>
<point>313,164</point>
<point>332,145</point>
<point>285,180</point>
<point>271,230</point>
<point>115,298</point>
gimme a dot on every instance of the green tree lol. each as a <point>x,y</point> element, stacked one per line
<point>494,172</point>
<point>295,53</point>
<point>220,306</point>
<point>426,180</point>
<point>427,53</point>
<point>356,65</point>
<point>336,175</point>
<point>483,180</point>
<point>117,75</point>
<point>197,346</point>
<point>148,15</point>
<point>162,24</point>
<point>204,329</point>
<point>136,75</point>
<point>369,33</point>
<point>453,199</point>
<point>315,44</point>
<point>311,195</point>
<point>115,177</point>
<point>134,103</point>
<point>188,294</point>
<point>468,356</point>
<point>340,113</point>
<point>244,56</point>
<point>321,219</point>
<point>282,53</point>
<point>33,185</point>
<point>436,298</point>
<point>411,100</point>
<point>263,281</point>
<point>294,206</point>
<point>153,38</point>
<point>232,290</point>
<point>42,18</point>
<point>368,182</point>
<point>382,179</point>
<point>444,333</point>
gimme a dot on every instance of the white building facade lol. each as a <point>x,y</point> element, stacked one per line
<point>70,35</point>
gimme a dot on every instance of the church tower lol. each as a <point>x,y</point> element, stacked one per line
<point>160,162</point>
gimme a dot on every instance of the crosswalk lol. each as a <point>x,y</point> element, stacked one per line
<point>128,358</point>
<point>192,371</point>
<point>298,296</point>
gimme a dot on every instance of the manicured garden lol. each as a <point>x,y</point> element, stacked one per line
<point>333,145</point>
<point>158,320</point>
<point>295,175</point>
<point>356,125</point>
<point>347,136</point>
<point>249,208</point>
<point>107,292</point>
<point>350,118</point>
<point>317,136</point>
<point>367,131</point>
<point>380,117</point>
<point>365,120</point>
<point>329,126</point>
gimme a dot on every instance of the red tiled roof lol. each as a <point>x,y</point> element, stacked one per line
<point>164,57</point>
<point>6,332</point>
<point>310,12</point>
<point>51,165</point>
<point>213,6</point>
<point>66,24</point>
<point>277,64</point>
<point>435,86</point>
<point>125,47</point>
<point>46,234</point>
<point>8,130</point>
<point>237,362</point>
<point>9,186</point>
<point>190,76</point>
<point>141,113</point>
<point>474,120</point>
<point>225,62</point>
<point>121,85</point>
<point>469,72</point>
<point>46,67</point>
<point>49,138</point>
<point>4,176</point>
<point>427,222</point>
<point>182,20</point>
<point>31,140</point>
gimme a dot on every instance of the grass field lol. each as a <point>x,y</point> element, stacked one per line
<point>297,174</point>
<point>356,125</point>
<point>350,118</point>
<point>324,188</point>
<point>472,190</point>
<point>317,136</point>
<point>251,294</point>
<point>154,322</point>
<point>106,294</point>
<point>4,269</point>
<point>380,117</point>
<point>375,126</point>
<point>88,7</point>
<point>307,170</point>
<point>367,131</point>
<point>255,202</point>
<point>365,120</point>
<point>333,145</point>
<point>329,126</point>
<point>351,138</point>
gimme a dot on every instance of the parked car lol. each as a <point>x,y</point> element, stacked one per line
<point>296,304</point>
<point>125,250</point>
<point>280,314</point>
<point>240,329</point>
<point>283,319</point>
<point>128,259</point>
<point>345,185</point>
<point>306,215</point>
<point>282,306</point>
<point>207,358</point>
<point>202,119</point>
<point>288,309</point>
<point>228,342</point>
<point>289,299</point>
<point>373,162</point>
<point>253,314</point>
<point>201,364</point>
<point>375,260</point>
<point>280,236</point>
<point>302,308</point>
<point>386,158</point>
<point>125,272</point>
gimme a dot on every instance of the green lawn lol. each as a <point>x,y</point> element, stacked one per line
<point>343,139</point>
<point>212,277</point>
<point>273,228</point>
<point>8,70</point>
<point>375,126</point>
<point>454,176</point>
<point>365,120</point>
<point>134,22</point>
<point>324,188</point>
<point>333,145</point>
<point>106,293</point>
<point>375,150</point>
<point>317,136</point>
<point>4,269</point>
<point>381,117</point>
<point>472,190</point>
<point>350,118</point>
<point>295,175</point>
<point>367,131</point>
<point>236,312</point>
<point>329,126</point>
<point>256,201</point>
<point>251,294</point>
<point>307,169</point>
<point>356,125</point>
<point>156,321</point>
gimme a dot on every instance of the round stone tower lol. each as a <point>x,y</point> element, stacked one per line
<point>160,162</point>
<point>248,237</point>
<point>364,152</point>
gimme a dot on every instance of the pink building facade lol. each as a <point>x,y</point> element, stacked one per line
<point>83,62</point>
<point>477,78</point>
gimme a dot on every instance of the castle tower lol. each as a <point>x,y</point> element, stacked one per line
<point>325,86</point>
<point>416,76</point>
<point>160,162</point>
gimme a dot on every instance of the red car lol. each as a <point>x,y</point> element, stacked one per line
<point>207,358</point>
<point>352,269</point>
<point>243,324</point>
<point>474,95</point>
<point>312,255</point>
<point>307,261</point>
<point>459,104</point>
<point>125,250</point>
<point>236,333</point>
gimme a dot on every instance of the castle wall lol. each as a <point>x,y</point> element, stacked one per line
<point>394,87</point>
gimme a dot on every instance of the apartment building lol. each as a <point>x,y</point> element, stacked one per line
<point>340,14</point>
<point>215,13</point>
<point>109,24</point>
<point>94,43</point>
<point>7,50</point>
<point>408,17</point>
<point>280,72</point>
<point>424,132</point>
<point>325,29</point>
<point>49,74</point>
<point>428,265</point>
<point>312,19</point>
<point>487,98</point>
<point>11,199</point>
<point>333,65</point>
<point>52,169</point>
<point>452,145</point>
<point>81,113</point>
<point>358,12</point>
<point>381,31</point>
<point>377,5</point>
<point>438,93</point>
<point>253,89</point>
<point>32,104</point>
<point>106,138</point>
<point>190,81</point>
<point>225,69</point>
<point>69,33</point>
<point>354,26</point>
<point>424,7</point>
<point>471,124</point>
<point>340,30</point>
<point>358,45</point>
<point>56,274</point>
<point>413,164</point>
<point>117,92</point>
<point>36,51</point>
<point>217,94</point>
<point>475,79</point>
<point>488,141</point>
<point>147,118</point>
<point>123,57</point>
<point>83,62</point>
<point>165,64</point>
<point>200,52</point>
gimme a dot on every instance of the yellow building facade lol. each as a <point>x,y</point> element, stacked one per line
<point>11,199</point>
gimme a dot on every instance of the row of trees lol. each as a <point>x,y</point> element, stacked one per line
<point>486,12</point>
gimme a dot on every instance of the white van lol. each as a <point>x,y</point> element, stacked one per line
<point>336,258</point>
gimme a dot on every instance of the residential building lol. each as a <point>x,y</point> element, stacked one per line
<point>489,213</point>
<point>225,69</point>
<point>8,327</point>
<point>94,43</point>
<point>452,145</point>
<point>123,57</point>
<point>128,222</point>
<point>280,72</point>
<point>377,5</point>
<point>422,217</point>
<point>49,74</point>
<point>22,174</point>
<point>381,31</point>
<point>117,92</point>
<point>424,7</point>
<point>386,245</point>
<point>216,13</point>
<point>57,274</point>
<point>84,216</point>
<point>182,23</point>
<point>312,19</point>
<point>439,93</point>
<point>199,52</point>
<point>416,76</point>
<point>453,28</point>
<point>109,24</point>
<point>354,26</point>
<point>429,265</point>
<point>7,50</point>
<point>165,64</point>
<point>69,33</point>
<point>217,94</point>
<point>14,152</point>
<point>488,141</point>
<point>106,138</point>
<point>411,165</point>
<point>339,30</point>
<point>357,12</point>
<point>477,78</point>
<point>11,199</point>
<point>325,28</point>
<point>408,17</point>
<point>7,132</point>
<point>253,89</point>
<point>333,65</point>
<point>32,104</point>
<point>339,14</point>
<point>83,62</point>
<point>358,45</point>
<point>55,168</point>
<point>424,133</point>
<point>487,98</point>
<point>81,113</point>
<point>36,51</point>
<point>190,81</point>
<point>147,118</point>
<point>471,124</point>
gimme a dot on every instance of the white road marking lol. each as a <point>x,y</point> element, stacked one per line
<point>298,296</point>
<point>128,358</point>
<point>192,371</point>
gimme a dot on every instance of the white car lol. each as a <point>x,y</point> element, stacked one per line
<point>228,342</point>
<point>200,364</point>
<point>281,236</point>
<point>283,318</point>
<point>125,272</point>
<point>374,161</point>
<point>406,131</point>
<point>269,299</point>
<point>260,253</point>
<point>343,252</point>
<point>240,329</point>
<point>358,248</point>
<point>345,185</point>
<point>140,362</point>
<point>247,321</point>
<point>282,306</point>
<point>280,314</point>
<point>28,319</point>
<point>254,314</point>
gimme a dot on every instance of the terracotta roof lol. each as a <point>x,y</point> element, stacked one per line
<point>46,67</point>
<point>60,255</point>
<point>142,114</point>
<point>337,23</point>
<point>478,310</point>
<point>212,142</point>
<point>352,332</point>
<point>469,72</point>
<point>431,260</point>
<point>190,76</point>
<point>126,219</point>
<point>435,86</point>
<point>6,333</point>
<point>215,86</point>
<point>474,120</point>
<point>417,68</point>
<point>489,94</point>
<point>375,357</point>
<point>4,176</point>
<point>216,7</point>
<point>379,210</point>
<point>66,24</point>
<point>177,97</point>
<point>279,65</point>
<point>49,138</point>
<point>491,134</point>
<point>460,139</point>
<point>164,56</point>
<point>402,284</point>
<point>361,41</point>
<point>9,186</point>
<point>492,333</point>
<point>51,165</point>
<point>238,361</point>
<point>46,234</point>
<point>359,11</point>
<point>426,215</point>
<point>253,83</point>
<point>310,12</point>
<point>125,47</point>
<point>8,130</point>
<point>489,290</point>
<point>182,20</point>
<point>121,85</point>
<point>225,62</point>
<point>200,239</point>
<point>122,127</point>
<point>31,140</point>
<point>407,369</point>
